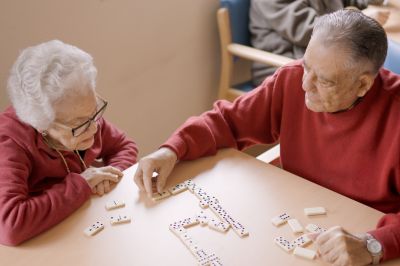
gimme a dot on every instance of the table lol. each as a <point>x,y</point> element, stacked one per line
<point>250,190</point>
<point>392,26</point>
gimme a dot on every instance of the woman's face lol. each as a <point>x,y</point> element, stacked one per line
<point>71,112</point>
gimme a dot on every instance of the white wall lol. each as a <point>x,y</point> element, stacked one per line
<point>158,61</point>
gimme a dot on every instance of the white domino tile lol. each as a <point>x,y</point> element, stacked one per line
<point>305,253</point>
<point>203,204</point>
<point>178,188</point>
<point>201,255</point>
<point>301,241</point>
<point>295,226</point>
<point>94,229</point>
<point>185,223</point>
<point>178,230</point>
<point>280,219</point>
<point>218,225</point>
<point>114,204</point>
<point>313,228</point>
<point>190,185</point>
<point>284,244</point>
<point>202,218</point>
<point>120,219</point>
<point>314,211</point>
<point>159,196</point>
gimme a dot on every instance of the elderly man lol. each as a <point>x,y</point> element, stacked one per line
<point>50,140</point>
<point>284,27</point>
<point>336,114</point>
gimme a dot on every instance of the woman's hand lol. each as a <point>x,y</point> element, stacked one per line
<point>99,178</point>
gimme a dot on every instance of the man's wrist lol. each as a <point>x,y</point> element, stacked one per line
<point>375,248</point>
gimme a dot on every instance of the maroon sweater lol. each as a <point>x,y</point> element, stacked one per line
<point>355,153</point>
<point>36,192</point>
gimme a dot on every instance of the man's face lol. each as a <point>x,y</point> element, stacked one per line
<point>329,84</point>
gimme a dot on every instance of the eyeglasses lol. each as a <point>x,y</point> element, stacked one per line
<point>82,128</point>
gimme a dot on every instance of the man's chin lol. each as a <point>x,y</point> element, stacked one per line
<point>312,107</point>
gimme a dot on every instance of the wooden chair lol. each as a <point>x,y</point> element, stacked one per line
<point>233,25</point>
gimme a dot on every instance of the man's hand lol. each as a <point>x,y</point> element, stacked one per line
<point>161,161</point>
<point>99,178</point>
<point>340,248</point>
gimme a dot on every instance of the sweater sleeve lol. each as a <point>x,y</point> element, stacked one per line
<point>117,150</point>
<point>252,118</point>
<point>293,20</point>
<point>388,234</point>
<point>24,215</point>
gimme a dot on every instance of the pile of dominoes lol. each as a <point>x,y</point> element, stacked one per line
<point>114,219</point>
<point>297,245</point>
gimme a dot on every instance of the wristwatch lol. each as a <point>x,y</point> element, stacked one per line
<point>374,248</point>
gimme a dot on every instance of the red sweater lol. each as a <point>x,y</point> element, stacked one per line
<point>355,153</point>
<point>36,192</point>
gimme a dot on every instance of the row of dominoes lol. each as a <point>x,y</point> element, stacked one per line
<point>222,214</point>
<point>168,192</point>
<point>202,219</point>
<point>115,219</point>
<point>206,200</point>
<point>203,258</point>
<point>213,203</point>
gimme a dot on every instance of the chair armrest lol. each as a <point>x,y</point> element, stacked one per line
<point>257,55</point>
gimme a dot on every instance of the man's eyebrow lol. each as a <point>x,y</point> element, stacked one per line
<point>325,79</point>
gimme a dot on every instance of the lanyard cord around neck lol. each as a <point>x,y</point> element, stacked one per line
<point>50,144</point>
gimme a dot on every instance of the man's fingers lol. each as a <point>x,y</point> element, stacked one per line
<point>94,190</point>
<point>329,245</point>
<point>138,178</point>
<point>162,179</point>
<point>147,176</point>
<point>325,236</point>
<point>331,256</point>
<point>313,236</point>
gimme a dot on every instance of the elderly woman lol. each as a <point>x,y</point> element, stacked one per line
<point>52,138</point>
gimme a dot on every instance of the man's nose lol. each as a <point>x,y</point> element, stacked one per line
<point>308,82</point>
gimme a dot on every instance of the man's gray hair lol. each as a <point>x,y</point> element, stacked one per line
<point>363,36</point>
<point>44,74</point>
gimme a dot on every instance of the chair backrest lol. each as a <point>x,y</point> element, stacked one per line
<point>392,61</point>
<point>239,20</point>
<point>233,25</point>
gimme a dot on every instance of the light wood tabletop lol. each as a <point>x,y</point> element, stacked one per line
<point>249,190</point>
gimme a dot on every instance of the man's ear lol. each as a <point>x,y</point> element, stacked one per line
<point>365,83</point>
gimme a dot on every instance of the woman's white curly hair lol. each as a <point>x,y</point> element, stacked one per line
<point>42,75</point>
